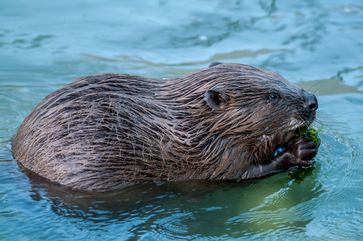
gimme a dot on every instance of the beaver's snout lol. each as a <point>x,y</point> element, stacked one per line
<point>310,104</point>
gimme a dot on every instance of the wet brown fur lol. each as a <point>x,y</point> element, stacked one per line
<point>103,132</point>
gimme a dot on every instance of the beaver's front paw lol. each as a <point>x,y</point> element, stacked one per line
<point>297,153</point>
<point>305,152</point>
<point>300,154</point>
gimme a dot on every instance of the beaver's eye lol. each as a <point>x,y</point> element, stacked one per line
<point>274,96</point>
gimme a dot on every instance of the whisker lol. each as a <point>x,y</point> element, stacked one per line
<point>315,90</point>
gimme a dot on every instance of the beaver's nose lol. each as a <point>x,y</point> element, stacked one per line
<point>310,101</point>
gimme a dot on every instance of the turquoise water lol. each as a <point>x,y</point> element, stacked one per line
<point>317,44</point>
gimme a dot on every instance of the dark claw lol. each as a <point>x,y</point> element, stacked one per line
<point>306,163</point>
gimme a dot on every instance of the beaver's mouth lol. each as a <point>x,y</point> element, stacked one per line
<point>296,133</point>
<point>291,136</point>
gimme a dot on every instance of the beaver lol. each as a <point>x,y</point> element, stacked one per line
<point>104,132</point>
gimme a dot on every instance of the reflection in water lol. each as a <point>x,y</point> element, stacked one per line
<point>188,208</point>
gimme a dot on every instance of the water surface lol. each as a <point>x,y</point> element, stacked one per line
<point>317,44</point>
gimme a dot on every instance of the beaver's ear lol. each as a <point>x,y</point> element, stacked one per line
<point>215,99</point>
<point>214,64</point>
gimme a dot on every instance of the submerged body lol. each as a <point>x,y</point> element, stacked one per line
<point>103,132</point>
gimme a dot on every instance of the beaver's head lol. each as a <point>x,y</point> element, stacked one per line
<point>249,109</point>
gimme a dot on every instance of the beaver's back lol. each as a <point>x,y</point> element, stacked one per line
<point>73,132</point>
